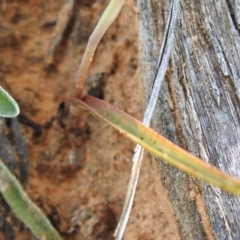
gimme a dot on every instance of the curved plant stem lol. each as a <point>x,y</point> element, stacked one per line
<point>104,23</point>
<point>24,208</point>
<point>132,184</point>
<point>161,68</point>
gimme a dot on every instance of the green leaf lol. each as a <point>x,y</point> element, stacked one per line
<point>23,207</point>
<point>158,145</point>
<point>8,106</point>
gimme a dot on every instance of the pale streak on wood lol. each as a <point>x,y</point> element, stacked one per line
<point>162,63</point>
<point>206,78</point>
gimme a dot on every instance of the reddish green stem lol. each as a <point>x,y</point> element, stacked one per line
<point>104,23</point>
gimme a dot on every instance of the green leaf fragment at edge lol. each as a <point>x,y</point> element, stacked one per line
<point>8,106</point>
<point>23,207</point>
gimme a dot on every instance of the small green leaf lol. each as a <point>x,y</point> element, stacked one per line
<point>8,106</point>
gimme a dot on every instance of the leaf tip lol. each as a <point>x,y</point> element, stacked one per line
<point>8,106</point>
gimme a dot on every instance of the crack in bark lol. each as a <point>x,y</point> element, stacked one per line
<point>175,110</point>
<point>233,16</point>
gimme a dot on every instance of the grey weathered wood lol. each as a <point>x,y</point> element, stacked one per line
<point>198,107</point>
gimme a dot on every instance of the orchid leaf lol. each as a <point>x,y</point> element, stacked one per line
<point>8,106</point>
<point>158,145</point>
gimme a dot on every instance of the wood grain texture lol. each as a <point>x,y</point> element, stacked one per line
<point>198,107</point>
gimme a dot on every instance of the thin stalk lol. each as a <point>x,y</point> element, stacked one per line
<point>161,68</point>
<point>24,208</point>
<point>131,189</point>
<point>109,15</point>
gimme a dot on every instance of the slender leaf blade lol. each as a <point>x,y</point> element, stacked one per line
<point>8,106</point>
<point>158,145</point>
<point>23,207</point>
